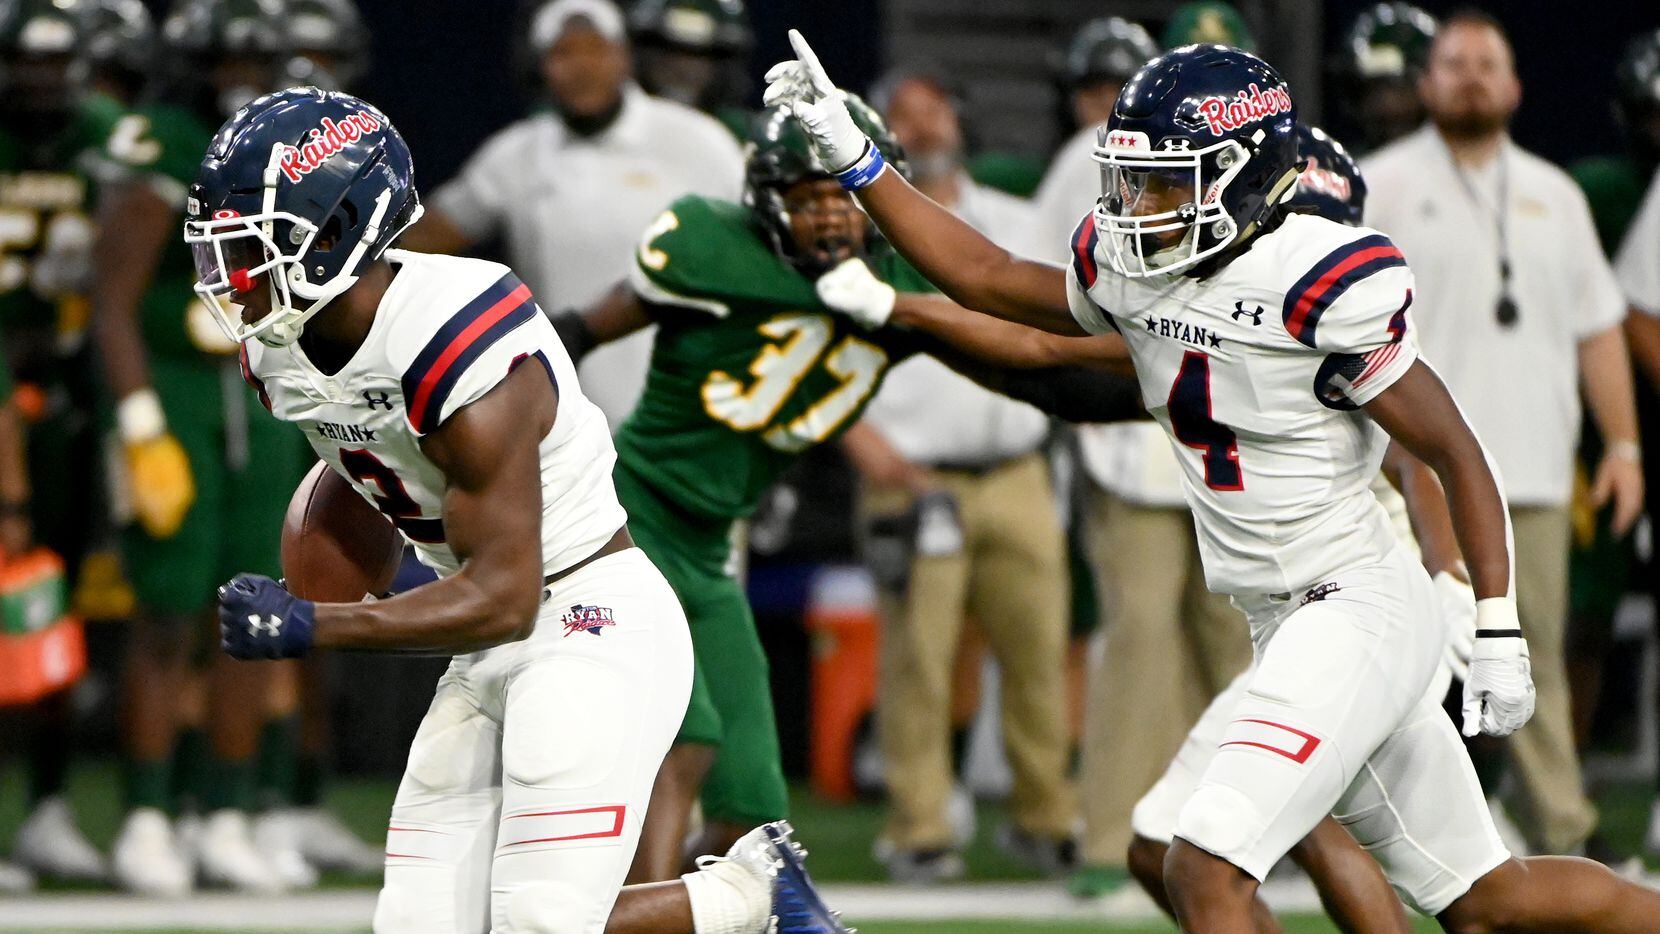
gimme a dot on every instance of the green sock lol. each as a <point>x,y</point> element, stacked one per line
<point>189,764</point>
<point>230,784</point>
<point>277,750</point>
<point>309,775</point>
<point>147,783</point>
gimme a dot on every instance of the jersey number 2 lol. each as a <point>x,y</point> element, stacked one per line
<point>393,501</point>
<point>1191,421</point>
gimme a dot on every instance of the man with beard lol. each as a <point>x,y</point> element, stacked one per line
<point>569,188</point>
<point>1518,304</point>
<point>749,369</point>
<point>933,440</point>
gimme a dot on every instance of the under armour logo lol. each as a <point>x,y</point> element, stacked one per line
<point>1239,311</point>
<point>1175,144</point>
<point>269,626</point>
<point>378,399</point>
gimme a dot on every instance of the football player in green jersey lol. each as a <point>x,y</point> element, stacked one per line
<point>192,435</point>
<point>749,369</point>
<point>47,121</point>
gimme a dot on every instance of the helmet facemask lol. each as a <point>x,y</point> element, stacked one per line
<point>1144,236</point>
<point>234,252</point>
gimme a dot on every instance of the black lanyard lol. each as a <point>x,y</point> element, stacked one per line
<point>1505,311</point>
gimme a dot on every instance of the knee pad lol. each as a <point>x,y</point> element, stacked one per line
<point>1221,821</point>
<point>545,907</point>
<point>567,721</point>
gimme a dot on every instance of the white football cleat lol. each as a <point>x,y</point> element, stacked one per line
<point>147,858</point>
<point>49,843</point>
<point>14,879</point>
<point>276,835</point>
<point>226,855</point>
<point>327,843</point>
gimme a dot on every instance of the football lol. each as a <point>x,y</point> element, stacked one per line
<point>335,547</point>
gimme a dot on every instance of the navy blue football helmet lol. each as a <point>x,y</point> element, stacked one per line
<point>1328,180</point>
<point>298,193</point>
<point>1200,150</point>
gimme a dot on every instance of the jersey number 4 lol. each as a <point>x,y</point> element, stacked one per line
<point>1191,422</point>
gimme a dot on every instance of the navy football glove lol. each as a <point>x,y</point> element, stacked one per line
<point>259,618</point>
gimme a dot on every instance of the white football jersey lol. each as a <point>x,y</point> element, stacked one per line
<point>1256,371</point>
<point>447,331</point>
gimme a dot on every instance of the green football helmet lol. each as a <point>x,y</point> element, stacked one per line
<point>1109,48</point>
<point>120,42</point>
<point>704,27</point>
<point>1389,41</point>
<point>43,65</point>
<point>200,34</point>
<point>778,155</point>
<point>1207,22</point>
<point>331,43</point>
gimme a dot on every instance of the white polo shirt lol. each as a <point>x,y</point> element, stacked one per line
<point>933,415</point>
<point>571,209</point>
<point>1518,385</point>
<point>1638,262</point>
<point>1134,460</point>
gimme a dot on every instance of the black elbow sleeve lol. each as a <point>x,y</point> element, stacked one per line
<point>573,333</point>
<point>1078,394</point>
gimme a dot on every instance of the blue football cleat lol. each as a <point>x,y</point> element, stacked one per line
<point>796,905</point>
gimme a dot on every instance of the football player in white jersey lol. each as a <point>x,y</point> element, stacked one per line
<point>1350,885</point>
<point>438,389</point>
<point>1276,350</point>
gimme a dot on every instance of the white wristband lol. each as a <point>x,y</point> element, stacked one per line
<point>1626,450</point>
<point>1496,618</point>
<point>138,416</point>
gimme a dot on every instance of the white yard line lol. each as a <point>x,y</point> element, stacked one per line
<point>351,910</point>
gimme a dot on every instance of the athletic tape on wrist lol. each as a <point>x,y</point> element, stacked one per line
<point>864,170</point>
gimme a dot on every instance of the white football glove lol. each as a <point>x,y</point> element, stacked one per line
<point>817,104</point>
<point>853,290</point>
<point>1458,614</point>
<point>1498,694</point>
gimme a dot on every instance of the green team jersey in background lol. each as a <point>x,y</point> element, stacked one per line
<point>243,460</point>
<point>1614,187</point>
<point>45,225</point>
<point>162,145</point>
<point>749,368</point>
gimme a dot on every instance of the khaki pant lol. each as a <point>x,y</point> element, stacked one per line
<point>1011,577</point>
<point>1554,813</point>
<point>1166,647</point>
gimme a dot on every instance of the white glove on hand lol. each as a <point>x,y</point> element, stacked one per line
<point>853,290</point>
<point>1498,694</point>
<point>1458,614</point>
<point>817,104</point>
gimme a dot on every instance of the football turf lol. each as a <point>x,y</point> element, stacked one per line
<point>838,836</point>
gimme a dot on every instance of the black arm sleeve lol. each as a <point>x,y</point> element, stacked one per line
<point>1069,393</point>
<point>1074,393</point>
<point>573,333</point>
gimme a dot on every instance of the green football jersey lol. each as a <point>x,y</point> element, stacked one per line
<point>45,227</point>
<point>162,146</point>
<point>749,368</point>
<point>1614,187</point>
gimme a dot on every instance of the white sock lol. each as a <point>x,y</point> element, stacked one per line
<point>728,899</point>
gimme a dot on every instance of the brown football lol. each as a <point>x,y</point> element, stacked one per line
<point>335,547</point>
